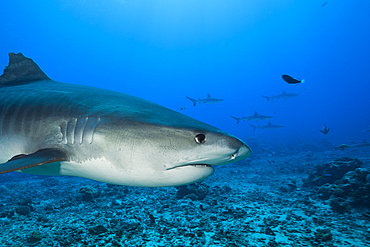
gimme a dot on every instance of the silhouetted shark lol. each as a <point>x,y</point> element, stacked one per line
<point>268,126</point>
<point>283,96</point>
<point>255,117</point>
<point>208,100</point>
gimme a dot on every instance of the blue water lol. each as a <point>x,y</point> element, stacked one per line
<point>164,51</point>
<point>236,50</point>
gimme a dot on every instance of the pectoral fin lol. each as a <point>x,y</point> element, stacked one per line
<point>40,157</point>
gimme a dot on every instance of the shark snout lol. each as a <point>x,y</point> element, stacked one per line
<point>243,152</point>
<point>233,149</point>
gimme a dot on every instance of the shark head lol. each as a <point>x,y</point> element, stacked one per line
<point>161,156</point>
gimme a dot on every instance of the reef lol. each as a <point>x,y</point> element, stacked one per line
<point>332,171</point>
<point>268,200</point>
<point>352,190</point>
<point>343,183</point>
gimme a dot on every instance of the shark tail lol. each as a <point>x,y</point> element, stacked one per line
<point>266,97</point>
<point>254,127</point>
<point>193,100</point>
<point>237,119</point>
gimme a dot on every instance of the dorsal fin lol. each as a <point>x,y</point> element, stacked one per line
<point>21,70</point>
<point>208,96</point>
<point>255,113</point>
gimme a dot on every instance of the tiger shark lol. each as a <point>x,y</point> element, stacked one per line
<point>53,128</point>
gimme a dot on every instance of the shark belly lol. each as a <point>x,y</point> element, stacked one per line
<point>103,170</point>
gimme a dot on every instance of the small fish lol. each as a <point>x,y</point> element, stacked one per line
<point>327,175</point>
<point>183,108</point>
<point>291,80</point>
<point>325,130</point>
<point>324,4</point>
<point>366,130</point>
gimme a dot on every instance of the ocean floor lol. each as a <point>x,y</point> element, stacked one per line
<point>262,201</point>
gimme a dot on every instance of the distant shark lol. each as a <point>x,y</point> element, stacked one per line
<point>53,128</point>
<point>208,100</point>
<point>322,5</point>
<point>353,145</point>
<point>268,126</point>
<point>283,96</point>
<point>255,117</point>
<point>360,145</point>
<point>342,147</point>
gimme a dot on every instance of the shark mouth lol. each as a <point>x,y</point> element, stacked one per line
<point>194,165</point>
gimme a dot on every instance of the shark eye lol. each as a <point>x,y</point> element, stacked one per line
<point>200,138</point>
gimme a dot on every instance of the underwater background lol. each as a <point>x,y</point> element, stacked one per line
<point>164,51</point>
